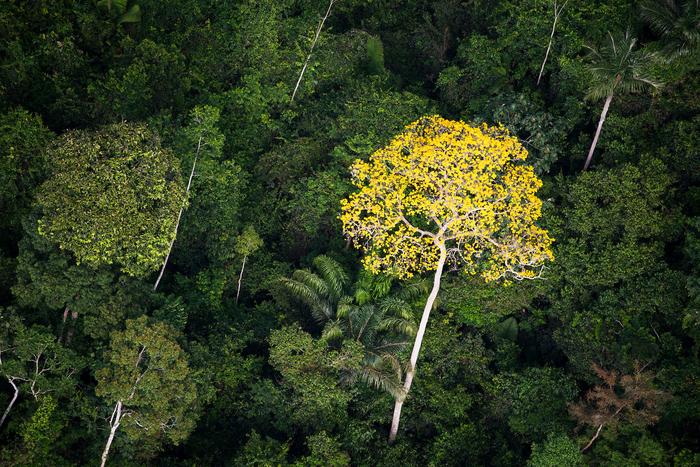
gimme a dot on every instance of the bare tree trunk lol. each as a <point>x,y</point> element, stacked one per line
<point>63,323</point>
<point>240,278</point>
<point>114,425</point>
<point>600,427</point>
<point>557,13</point>
<point>311,51</point>
<point>12,402</point>
<point>597,132</point>
<point>410,373</point>
<point>179,216</point>
<point>71,329</point>
<point>597,433</point>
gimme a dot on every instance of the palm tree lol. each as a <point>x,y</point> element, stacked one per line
<point>383,329</point>
<point>677,22</point>
<point>383,325</point>
<point>617,68</point>
<point>321,292</point>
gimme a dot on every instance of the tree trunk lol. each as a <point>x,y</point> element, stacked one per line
<point>71,329</point>
<point>12,402</point>
<point>557,12</point>
<point>311,51</point>
<point>240,278</point>
<point>597,433</point>
<point>179,216</point>
<point>63,323</point>
<point>114,425</point>
<point>410,373</point>
<point>603,114</point>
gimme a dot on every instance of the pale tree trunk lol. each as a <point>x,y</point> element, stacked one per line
<point>597,433</point>
<point>71,329</point>
<point>240,278</point>
<point>600,428</point>
<point>603,114</point>
<point>63,323</point>
<point>12,402</point>
<point>311,51</point>
<point>179,216</point>
<point>557,13</point>
<point>411,371</point>
<point>114,425</point>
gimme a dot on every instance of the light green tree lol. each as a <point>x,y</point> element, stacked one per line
<point>247,243</point>
<point>148,380</point>
<point>113,197</point>
<point>32,361</point>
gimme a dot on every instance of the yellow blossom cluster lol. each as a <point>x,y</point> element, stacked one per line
<point>446,185</point>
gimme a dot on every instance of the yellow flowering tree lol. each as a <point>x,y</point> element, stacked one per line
<point>446,193</point>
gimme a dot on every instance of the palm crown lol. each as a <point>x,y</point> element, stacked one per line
<point>382,324</point>
<point>618,68</point>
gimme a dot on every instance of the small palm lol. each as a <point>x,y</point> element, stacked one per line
<point>383,327</point>
<point>617,68</point>
<point>321,291</point>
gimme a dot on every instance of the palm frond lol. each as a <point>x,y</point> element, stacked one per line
<point>313,281</point>
<point>319,308</point>
<point>618,67</point>
<point>398,326</point>
<point>344,308</point>
<point>333,274</point>
<point>332,331</point>
<point>383,373</point>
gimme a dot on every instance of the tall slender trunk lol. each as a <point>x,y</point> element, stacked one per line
<point>12,402</point>
<point>63,323</point>
<point>179,216</point>
<point>600,428</point>
<point>71,329</point>
<point>557,12</point>
<point>311,51</point>
<point>410,373</point>
<point>595,436</point>
<point>603,114</point>
<point>240,278</point>
<point>114,425</point>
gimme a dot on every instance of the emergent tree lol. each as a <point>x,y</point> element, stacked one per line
<point>444,192</point>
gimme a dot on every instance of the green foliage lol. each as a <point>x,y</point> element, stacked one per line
<point>248,242</point>
<point>617,68</point>
<point>312,372</point>
<point>325,451</point>
<point>371,117</point>
<point>261,382</point>
<point>261,452</point>
<point>375,56</point>
<point>34,360</point>
<point>534,401</point>
<point>155,79</point>
<point>23,163</point>
<point>147,370</point>
<point>557,451</point>
<point>614,224</point>
<point>39,432</point>
<point>113,197</point>
<point>478,75</point>
<point>543,133</point>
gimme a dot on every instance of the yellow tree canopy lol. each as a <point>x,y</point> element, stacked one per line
<point>446,185</point>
